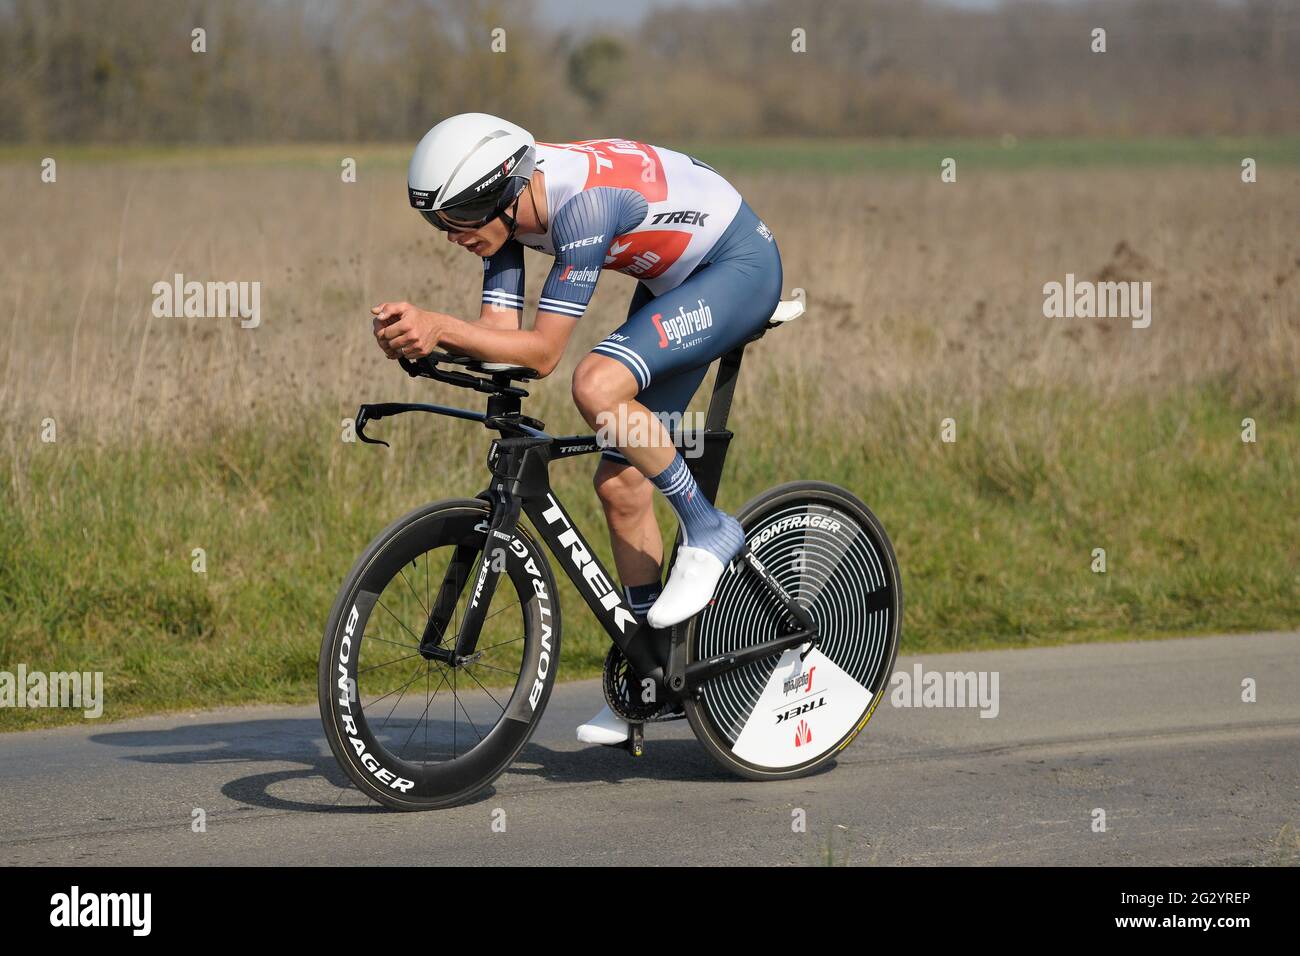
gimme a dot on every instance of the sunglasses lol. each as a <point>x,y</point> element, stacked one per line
<point>457,225</point>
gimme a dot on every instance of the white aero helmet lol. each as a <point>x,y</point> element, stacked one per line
<point>468,170</point>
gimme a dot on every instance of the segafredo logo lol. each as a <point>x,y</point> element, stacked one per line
<point>581,276</point>
<point>799,682</point>
<point>587,567</point>
<point>677,327</point>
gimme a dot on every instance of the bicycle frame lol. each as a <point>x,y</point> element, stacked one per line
<point>519,461</point>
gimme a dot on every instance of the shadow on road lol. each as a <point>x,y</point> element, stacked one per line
<point>326,789</point>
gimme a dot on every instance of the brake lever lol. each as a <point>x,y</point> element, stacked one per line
<point>364,415</point>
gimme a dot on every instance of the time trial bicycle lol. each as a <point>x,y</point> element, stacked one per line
<point>442,647</point>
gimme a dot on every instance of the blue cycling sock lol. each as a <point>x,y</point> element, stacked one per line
<point>703,526</point>
<point>641,596</point>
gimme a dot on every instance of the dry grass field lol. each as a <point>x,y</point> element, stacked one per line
<point>925,302</point>
<point>912,285</point>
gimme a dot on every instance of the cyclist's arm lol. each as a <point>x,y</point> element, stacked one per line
<point>539,348</point>
<point>581,232</point>
<point>503,288</point>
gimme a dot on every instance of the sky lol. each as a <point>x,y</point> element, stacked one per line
<point>584,14</point>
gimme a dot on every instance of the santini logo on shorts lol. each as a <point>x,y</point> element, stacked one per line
<point>676,328</point>
<point>579,276</point>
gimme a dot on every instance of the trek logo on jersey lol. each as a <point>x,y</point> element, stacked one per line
<point>589,241</point>
<point>578,276</point>
<point>799,682</point>
<point>676,328</point>
<point>686,218</point>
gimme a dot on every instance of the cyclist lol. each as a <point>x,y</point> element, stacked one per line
<point>709,278</point>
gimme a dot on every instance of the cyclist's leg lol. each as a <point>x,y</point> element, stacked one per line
<point>627,497</point>
<point>680,332</point>
<point>628,500</point>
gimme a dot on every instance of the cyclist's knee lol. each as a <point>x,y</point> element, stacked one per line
<point>599,384</point>
<point>622,489</point>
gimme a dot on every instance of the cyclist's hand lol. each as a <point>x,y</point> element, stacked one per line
<point>379,326</point>
<point>403,330</point>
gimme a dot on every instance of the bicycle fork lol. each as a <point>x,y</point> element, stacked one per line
<point>491,561</point>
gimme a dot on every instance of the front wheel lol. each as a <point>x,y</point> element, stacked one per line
<point>416,733</point>
<point>788,715</point>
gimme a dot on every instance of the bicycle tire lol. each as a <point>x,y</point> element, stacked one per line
<point>362,745</point>
<point>756,720</point>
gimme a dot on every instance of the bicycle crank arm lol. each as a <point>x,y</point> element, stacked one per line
<point>795,609</point>
<point>701,671</point>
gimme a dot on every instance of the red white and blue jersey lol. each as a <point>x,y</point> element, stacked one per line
<point>642,210</point>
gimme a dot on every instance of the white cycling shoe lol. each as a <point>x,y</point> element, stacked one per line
<point>605,728</point>
<point>690,587</point>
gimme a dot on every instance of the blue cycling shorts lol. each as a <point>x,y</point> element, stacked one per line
<point>669,341</point>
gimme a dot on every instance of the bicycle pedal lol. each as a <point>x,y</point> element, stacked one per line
<point>635,740</point>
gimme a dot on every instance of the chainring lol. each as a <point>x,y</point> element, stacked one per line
<point>618,683</point>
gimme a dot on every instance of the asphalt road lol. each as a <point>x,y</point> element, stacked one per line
<point>1155,734</point>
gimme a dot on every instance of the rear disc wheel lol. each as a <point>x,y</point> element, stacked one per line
<point>788,715</point>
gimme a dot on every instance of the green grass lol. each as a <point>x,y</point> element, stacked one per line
<point>994,534</point>
<point>831,156</point>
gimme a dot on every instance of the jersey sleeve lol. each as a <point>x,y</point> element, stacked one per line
<point>503,277</point>
<point>581,233</point>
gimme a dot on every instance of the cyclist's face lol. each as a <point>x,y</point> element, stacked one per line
<point>483,240</point>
